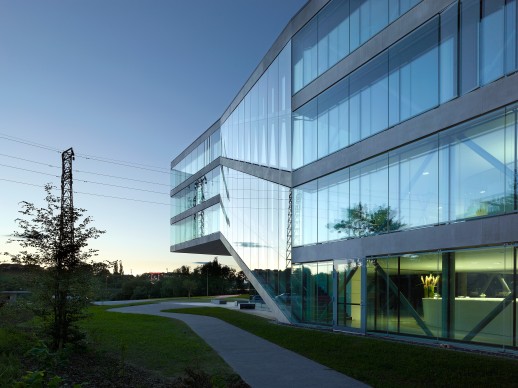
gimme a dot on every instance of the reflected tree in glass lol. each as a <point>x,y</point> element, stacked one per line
<point>362,222</point>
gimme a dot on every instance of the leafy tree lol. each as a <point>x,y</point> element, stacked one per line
<point>190,285</point>
<point>362,222</point>
<point>62,291</point>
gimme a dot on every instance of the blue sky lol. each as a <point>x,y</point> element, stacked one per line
<point>125,80</point>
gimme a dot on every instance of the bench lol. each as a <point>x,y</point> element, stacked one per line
<point>218,301</point>
<point>247,306</point>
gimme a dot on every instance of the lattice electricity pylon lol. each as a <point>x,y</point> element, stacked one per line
<point>289,231</point>
<point>66,226</point>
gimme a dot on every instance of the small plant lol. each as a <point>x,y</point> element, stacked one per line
<point>36,379</point>
<point>429,283</point>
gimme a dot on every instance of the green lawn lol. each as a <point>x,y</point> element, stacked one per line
<point>377,362</point>
<point>160,344</point>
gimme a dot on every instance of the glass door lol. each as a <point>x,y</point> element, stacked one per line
<point>349,311</point>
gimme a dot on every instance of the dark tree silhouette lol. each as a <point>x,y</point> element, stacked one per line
<point>61,292</point>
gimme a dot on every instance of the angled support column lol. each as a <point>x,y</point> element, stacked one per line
<point>404,301</point>
<point>489,317</point>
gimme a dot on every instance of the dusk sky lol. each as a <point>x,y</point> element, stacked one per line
<point>128,84</point>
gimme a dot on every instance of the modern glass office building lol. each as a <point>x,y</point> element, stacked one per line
<point>365,176</point>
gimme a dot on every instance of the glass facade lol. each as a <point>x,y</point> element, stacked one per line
<point>255,224</point>
<point>454,174</point>
<point>203,223</point>
<point>202,189</point>
<point>206,152</point>
<point>312,292</point>
<point>412,76</point>
<point>336,31</point>
<point>464,172</point>
<point>465,295</point>
<point>258,131</point>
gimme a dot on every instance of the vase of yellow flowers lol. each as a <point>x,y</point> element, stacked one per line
<point>429,284</point>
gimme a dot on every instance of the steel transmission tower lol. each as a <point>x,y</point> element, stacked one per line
<point>66,222</point>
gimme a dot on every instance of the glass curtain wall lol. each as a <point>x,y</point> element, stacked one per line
<point>426,68</point>
<point>204,188</point>
<point>464,172</point>
<point>337,30</point>
<point>465,295</point>
<point>258,131</point>
<point>312,292</point>
<point>203,223</point>
<point>383,92</point>
<point>206,152</point>
<point>348,293</point>
<point>254,222</point>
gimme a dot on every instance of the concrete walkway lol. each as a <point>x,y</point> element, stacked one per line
<point>260,363</point>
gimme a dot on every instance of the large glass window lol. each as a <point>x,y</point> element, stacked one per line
<point>198,158</point>
<point>397,84</point>
<point>368,99</point>
<point>312,290</point>
<point>305,212</point>
<point>414,62</point>
<point>492,40</point>
<point>466,295</point>
<point>333,35</point>
<point>414,184</point>
<point>469,22</point>
<point>339,28</point>
<point>479,158</point>
<point>259,130</point>
<point>430,66</point>
<point>201,224</point>
<point>254,223</point>
<point>349,293</point>
<point>448,53</point>
<point>204,188</point>
<point>305,134</point>
<point>464,172</point>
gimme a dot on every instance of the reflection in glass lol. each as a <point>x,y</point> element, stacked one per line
<point>338,29</point>
<point>414,183</point>
<point>464,295</point>
<point>492,40</point>
<point>349,285</point>
<point>256,214</point>
<point>414,71</point>
<point>312,292</point>
<point>464,172</point>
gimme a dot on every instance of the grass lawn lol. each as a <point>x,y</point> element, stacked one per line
<point>377,362</point>
<point>160,344</point>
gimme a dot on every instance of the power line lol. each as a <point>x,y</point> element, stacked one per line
<point>26,169</point>
<point>108,160</point>
<point>122,187</point>
<point>162,170</point>
<point>123,198</point>
<point>27,142</point>
<point>119,177</point>
<point>125,164</point>
<point>28,160</point>
<point>24,183</point>
<point>93,194</point>
<point>84,181</point>
<point>85,172</point>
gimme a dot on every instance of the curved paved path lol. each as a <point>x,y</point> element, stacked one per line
<point>260,363</point>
